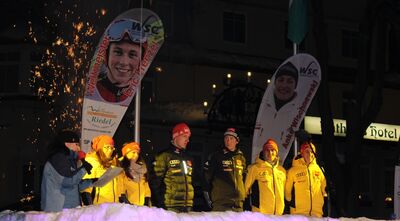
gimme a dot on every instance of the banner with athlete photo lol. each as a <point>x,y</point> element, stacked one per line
<point>285,103</point>
<point>123,55</point>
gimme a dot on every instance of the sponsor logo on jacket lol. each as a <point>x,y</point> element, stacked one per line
<point>174,163</point>
<point>301,174</point>
<point>227,165</point>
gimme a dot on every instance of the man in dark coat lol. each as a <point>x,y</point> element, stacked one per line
<point>171,182</point>
<point>224,176</point>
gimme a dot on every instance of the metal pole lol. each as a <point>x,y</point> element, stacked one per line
<point>139,87</point>
<point>137,113</point>
<point>295,138</point>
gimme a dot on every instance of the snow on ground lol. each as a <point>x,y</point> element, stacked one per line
<point>117,211</point>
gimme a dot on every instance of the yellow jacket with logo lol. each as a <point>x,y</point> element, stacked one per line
<point>305,188</point>
<point>134,191</point>
<point>266,183</point>
<point>106,193</point>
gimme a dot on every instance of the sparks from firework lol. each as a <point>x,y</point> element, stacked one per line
<point>60,77</point>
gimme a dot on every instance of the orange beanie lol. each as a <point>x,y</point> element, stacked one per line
<point>270,144</point>
<point>133,146</point>
<point>99,142</point>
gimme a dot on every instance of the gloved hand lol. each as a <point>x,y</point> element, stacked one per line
<point>124,199</point>
<point>81,155</point>
<point>87,166</point>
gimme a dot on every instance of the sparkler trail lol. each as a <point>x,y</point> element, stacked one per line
<point>60,77</point>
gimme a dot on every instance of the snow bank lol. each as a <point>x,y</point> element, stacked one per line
<point>117,211</point>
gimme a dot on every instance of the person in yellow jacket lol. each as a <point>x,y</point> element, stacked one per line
<point>101,158</point>
<point>133,185</point>
<point>265,181</point>
<point>305,184</point>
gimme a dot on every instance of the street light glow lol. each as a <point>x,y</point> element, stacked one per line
<point>159,69</point>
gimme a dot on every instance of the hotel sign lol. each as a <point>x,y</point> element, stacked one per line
<point>374,131</point>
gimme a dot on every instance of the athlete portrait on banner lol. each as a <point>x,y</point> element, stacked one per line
<point>285,86</point>
<point>122,58</point>
<point>281,104</point>
<point>285,103</point>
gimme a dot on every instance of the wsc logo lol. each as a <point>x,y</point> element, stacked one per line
<point>310,71</point>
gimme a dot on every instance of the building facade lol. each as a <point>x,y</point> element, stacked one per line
<point>205,41</point>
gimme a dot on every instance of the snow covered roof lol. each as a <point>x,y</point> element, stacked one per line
<point>117,211</point>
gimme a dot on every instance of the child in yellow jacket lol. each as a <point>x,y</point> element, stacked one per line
<point>133,186</point>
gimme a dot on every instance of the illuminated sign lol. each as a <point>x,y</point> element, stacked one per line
<point>374,131</point>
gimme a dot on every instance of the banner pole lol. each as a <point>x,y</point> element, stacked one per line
<point>295,138</point>
<point>137,113</point>
<point>139,88</point>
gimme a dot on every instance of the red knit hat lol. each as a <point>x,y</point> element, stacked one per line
<point>306,145</point>
<point>270,144</point>
<point>99,141</point>
<point>133,146</point>
<point>180,129</point>
<point>231,132</point>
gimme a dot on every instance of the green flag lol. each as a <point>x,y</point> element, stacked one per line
<point>298,20</point>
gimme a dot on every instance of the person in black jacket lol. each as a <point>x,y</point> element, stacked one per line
<point>171,182</point>
<point>224,176</point>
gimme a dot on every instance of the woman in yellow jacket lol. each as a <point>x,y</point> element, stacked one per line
<point>265,181</point>
<point>133,185</point>
<point>305,184</point>
<point>101,158</point>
